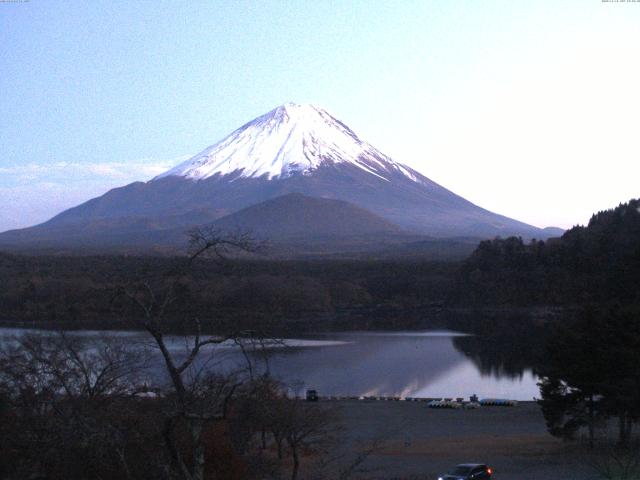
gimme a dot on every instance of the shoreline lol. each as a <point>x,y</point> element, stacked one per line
<point>421,443</point>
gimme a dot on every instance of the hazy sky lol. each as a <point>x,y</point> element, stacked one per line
<point>527,108</point>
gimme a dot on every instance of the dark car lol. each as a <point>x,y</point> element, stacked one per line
<point>312,396</point>
<point>469,471</point>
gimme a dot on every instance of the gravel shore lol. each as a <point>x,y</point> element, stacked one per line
<point>416,442</point>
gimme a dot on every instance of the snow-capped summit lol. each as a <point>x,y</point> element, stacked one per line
<point>290,139</point>
<point>293,170</point>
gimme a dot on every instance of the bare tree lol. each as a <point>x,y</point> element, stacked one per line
<point>295,427</point>
<point>75,366</point>
<point>197,399</point>
<point>218,244</point>
<point>304,427</point>
<point>67,395</point>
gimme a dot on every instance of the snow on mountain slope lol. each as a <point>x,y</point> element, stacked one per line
<point>293,149</point>
<point>290,139</point>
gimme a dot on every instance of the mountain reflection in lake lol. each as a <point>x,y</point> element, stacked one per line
<point>419,364</point>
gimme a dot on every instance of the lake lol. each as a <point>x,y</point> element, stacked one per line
<point>406,364</point>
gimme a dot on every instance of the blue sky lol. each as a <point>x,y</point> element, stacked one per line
<point>526,108</point>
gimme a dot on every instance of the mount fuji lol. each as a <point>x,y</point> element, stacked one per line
<point>293,149</point>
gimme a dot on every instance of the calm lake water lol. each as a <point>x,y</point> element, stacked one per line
<point>418,364</point>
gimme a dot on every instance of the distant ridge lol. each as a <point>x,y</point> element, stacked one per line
<point>297,216</point>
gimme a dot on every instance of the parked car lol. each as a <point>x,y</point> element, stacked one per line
<point>312,396</point>
<point>469,471</point>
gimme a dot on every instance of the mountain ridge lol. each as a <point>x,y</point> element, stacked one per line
<point>291,149</point>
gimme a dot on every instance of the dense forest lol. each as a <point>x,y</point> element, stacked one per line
<point>596,264</point>
<point>78,291</point>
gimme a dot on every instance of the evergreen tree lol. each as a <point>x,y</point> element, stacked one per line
<point>591,371</point>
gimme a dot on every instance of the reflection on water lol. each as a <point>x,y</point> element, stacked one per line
<point>504,347</point>
<point>420,364</point>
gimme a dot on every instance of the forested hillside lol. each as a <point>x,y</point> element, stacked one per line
<point>599,263</point>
